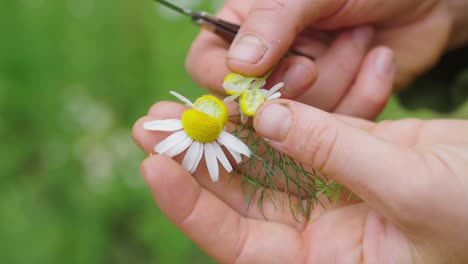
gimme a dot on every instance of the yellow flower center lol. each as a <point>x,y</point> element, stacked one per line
<point>250,101</point>
<point>240,82</point>
<point>230,76</point>
<point>205,122</point>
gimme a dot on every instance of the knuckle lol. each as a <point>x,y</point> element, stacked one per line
<point>349,7</point>
<point>207,73</point>
<point>154,109</point>
<point>137,128</point>
<point>269,5</point>
<point>410,205</point>
<point>375,99</point>
<point>346,67</point>
<point>242,241</point>
<point>190,64</point>
<point>319,144</point>
<point>267,9</point>
<point>185,218</point>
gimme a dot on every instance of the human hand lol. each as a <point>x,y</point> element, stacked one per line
<point>410,174</point>
<point>417,31</point>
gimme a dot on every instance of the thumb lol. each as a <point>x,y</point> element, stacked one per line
<point>365,164</point>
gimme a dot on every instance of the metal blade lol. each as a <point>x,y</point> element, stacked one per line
<point>181,10</point>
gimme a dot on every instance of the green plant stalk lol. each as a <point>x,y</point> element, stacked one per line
<point>267,166</point>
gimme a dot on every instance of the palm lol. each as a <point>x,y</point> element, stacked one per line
<point>217,218</point>
<point>336,234</point>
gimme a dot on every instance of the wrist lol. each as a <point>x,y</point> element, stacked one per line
<point>459,11</point>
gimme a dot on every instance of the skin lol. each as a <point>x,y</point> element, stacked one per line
<point>340,34</point>
<point>410,174</point>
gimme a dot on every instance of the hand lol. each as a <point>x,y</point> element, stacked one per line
<point>417,31</point>
<point>410,174</point>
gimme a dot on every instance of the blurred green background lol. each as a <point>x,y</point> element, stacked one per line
<point>74,76</point>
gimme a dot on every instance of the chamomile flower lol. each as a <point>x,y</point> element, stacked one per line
<point>252,99</point>
<point>248,89</point>
<point>201,130</point>
<point>235,84</point>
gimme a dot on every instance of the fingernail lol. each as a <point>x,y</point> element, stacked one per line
<point>294,74</point>
<point>362,36</point>
<point>249,48</point>
<point>274,122</point>
<point>384,62</point>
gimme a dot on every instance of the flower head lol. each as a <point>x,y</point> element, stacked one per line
<point>248,89</point>
<point>201,129</point>
<point>235,83</point>
<point>252,99</point>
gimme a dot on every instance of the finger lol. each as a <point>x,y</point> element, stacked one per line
<point>271,26</point>
<point>297,73</point>
<point>218,229</point>
<point>414,132</point>
<point>337,69</point>
<point>365,164</point>
<point>269,30</point>
<point>372,88</point>
<point>230,187</point>
<point>313,42</point>
<point>145,139</point>
<point>206,60</point>
<point>357,12</point>
<point>412,56</point>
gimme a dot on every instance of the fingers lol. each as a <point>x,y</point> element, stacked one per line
<point>270,27</point>
<point>297,72</point>
<point>413,55</point>
<point>337,68</point>
<point>206,60</point>
<point>219,230</point>
<point>269,30</point>
<point>372,88</point>
<point>357,12</point>
<point>229,188</point>
<point>414,132</point>
<point>362,162</point>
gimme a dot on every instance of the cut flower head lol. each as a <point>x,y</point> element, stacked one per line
<point>248,89</point>
<point>201,130</point>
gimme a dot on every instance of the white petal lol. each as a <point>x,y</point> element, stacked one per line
<point>163,125</point>
<point>232,97</point>
<point>172,142</point>
<point>179,148</point>
<point>237,157</point>
<point>274,96</point>
<point>232,87</point>
<point>255,83</point>
<point>182,98</point>
<point>275,88</point>
<point>244,118</point>
<point>264,92</point>
<point>233,143</point>
<point>193,157</point>
<point>221,156</point>
<point>211,162</point>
